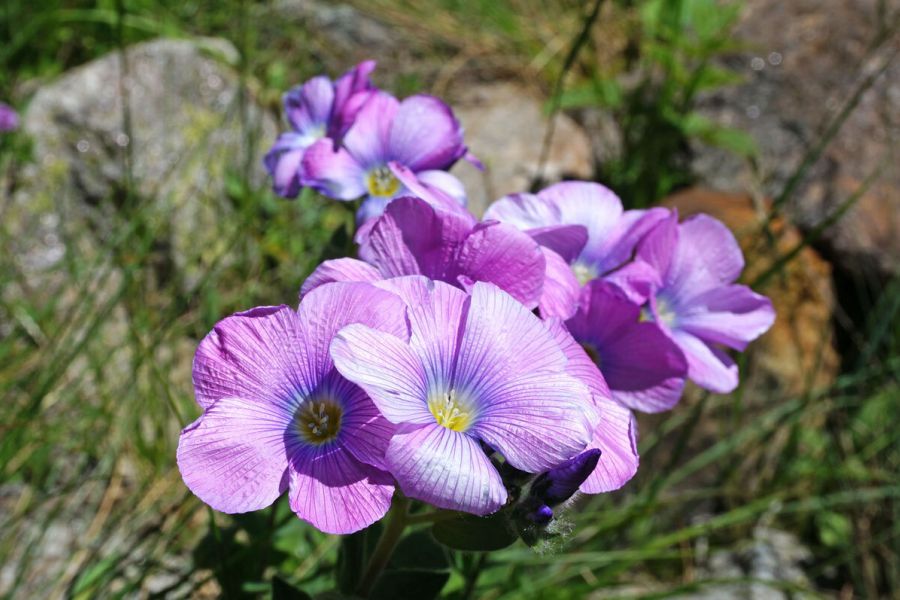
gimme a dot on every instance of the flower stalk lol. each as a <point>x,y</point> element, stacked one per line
<point>394,526</point>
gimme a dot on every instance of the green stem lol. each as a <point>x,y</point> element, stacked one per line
<point>393,530</point>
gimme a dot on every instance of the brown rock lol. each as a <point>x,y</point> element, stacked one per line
<point>505,126</point>
<point>798,77</point>
<point>798,351</point>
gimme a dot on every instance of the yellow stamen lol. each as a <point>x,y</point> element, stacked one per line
<point>450,410</point>
<point>381,182</point>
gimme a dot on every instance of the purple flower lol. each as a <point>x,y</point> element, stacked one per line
<point>413,237</point>
<point>419,133</point>
<point>9,119</point>
<point>582,222</point>
<point>693,298</point>
<point>317,109</point>
<point>614,427</point>
<point>478,371</point>
<point>644,369</point>
<point>277,416</point>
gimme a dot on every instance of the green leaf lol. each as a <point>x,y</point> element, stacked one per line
<point>419,551</point>
<point>835,530</point>
<point>411,584</point>
<point>282,590</point>
<point>475,534</point>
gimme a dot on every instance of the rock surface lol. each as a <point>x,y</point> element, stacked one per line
<point>183,132</point>
<point>504,127</point>
<point>86,256</point>
<point>798,77</point>
<point>798,351</point>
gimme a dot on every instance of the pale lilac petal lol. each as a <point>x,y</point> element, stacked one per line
<point>362,355</point>
<point>335,492</point>
<point>371,208</point>
<point>328,308</point>
<point>523,211</point>
<point>233,457</point>
<point>660,244</point>
<point>707,256</point>
<point>367,141</point>
<point>334,173</point>
<point>308,106</point>
<point>559,296</point>
<point>425,134</point>
<point>536,420</point>
<point>248,355</point>
<point>528,408</point>
<point>434,326</point>
<point>637,280</point>
<point>732,315</point>
<point>502,340</point>
<point>340,269</point>
<point>445,468</point>
<point>584,203</point>
<point>708,367</point>
<point>412,289</point>
<point>446,183</point>
<point>502,255</point>
<point>284,161</point>
<point>566,240</point>
<point>620,243</point>
<point>615,436</point>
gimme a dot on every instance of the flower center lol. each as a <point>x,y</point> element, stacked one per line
<point>319,421</point>
<point>584,272</point>
<point>381,182</point>
<point>666,315</point>
<point>450,410</point>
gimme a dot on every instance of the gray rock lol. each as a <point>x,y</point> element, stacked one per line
<point>67,249</point>
<point>182,134</point>
<point>798,76</point>
<point>504,127</point>
<point>771,562</point>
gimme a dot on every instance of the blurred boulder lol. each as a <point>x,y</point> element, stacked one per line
<point>798,351</point>
<point>773,562</point>
<point>161,156</point>
<point>798,76</point>
<point>504,127</point>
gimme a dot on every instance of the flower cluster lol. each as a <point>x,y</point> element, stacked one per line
<point>459,361</point>
<point>348,139</point>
